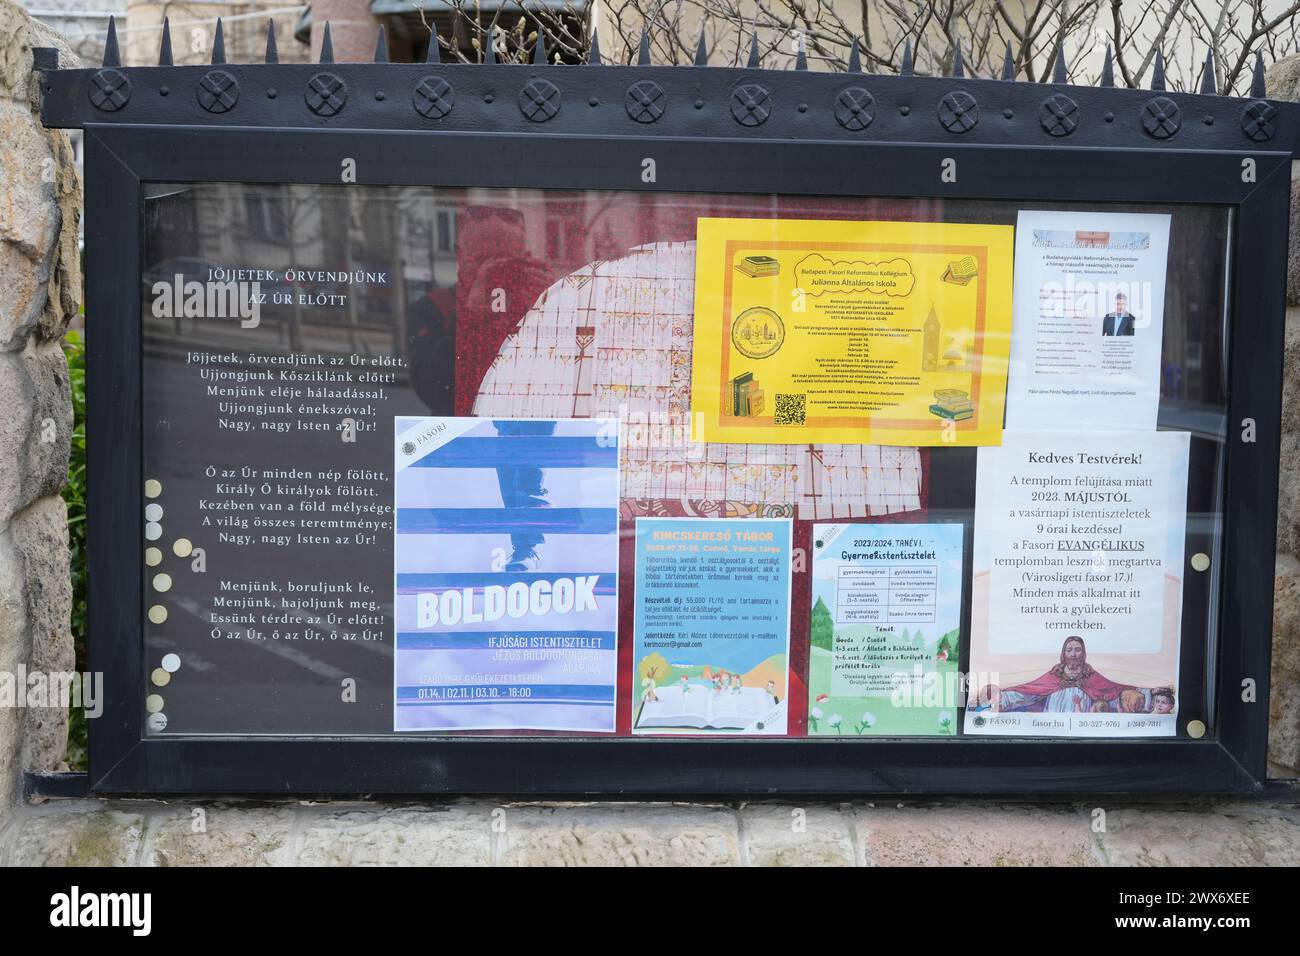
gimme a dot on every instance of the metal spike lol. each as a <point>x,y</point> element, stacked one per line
<point>1058,69</point>
<point>219,44</point>
<point>1108,69</point>
<point>1209,84</point>
<point>702,50</point>
<point>539,48</point>
<point>434,53</point>
<point>1257,88</point>
<point>907,59</point>
<point>326,46</point>
<point>165,45</point>
<point>593,52</point>
<point>1158,74</point>
<point>855,58</point>
<point>801,59</point>
<point>958,68</point>
<point>272,54</point>
<point>381,46</point>
<point>111,55</point>
<point>754,61</point>
<point>1008,64</point>
<point>643,54</point>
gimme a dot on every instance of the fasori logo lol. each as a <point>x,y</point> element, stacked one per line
<point>78,909</point>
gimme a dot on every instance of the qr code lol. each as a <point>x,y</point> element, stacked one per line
<point>790,409</point>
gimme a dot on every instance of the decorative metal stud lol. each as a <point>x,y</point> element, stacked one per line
<point>645,101</point>
<point>751,104</point>
<point>1259,121</point>
<point>1059,115</point>
<point>853,108</point>
<point>540,100</point>
<point>433,97</point>
<point>1161,117</point>
<point>326,94</point>
<point>109,90</point>
<point>958,112</point>
<point>217,92</point>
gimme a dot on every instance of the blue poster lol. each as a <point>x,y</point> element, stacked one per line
<point>712,637</point>
<point>506,574</point>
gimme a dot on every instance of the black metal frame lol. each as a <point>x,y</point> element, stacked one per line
<point>166,131</point>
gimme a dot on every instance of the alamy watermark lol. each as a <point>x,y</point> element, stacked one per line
<point>58,690</point>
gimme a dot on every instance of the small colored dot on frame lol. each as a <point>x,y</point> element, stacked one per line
<point>152,488</point>
<point>153,703</point>
<point>1201,561</point>
<point>152,531</point>
<point>160,677</point>
<point>162,582</point>
<point>182,547</point>
<point>152,557</point>
<point>153,511</point>
<point>171,663</point>
<point>157,614</point>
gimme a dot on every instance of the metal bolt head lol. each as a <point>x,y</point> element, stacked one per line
<point>217,92</point>
<point>751,104</point>
<point>109,90</point>
<point>540,100</point>
<point>1059,115</point>
<point>326,94</point>
<point>958,112</point>
<point>433,97</point>
<point>645,101</point>
<point>1259,121</point>
<point>1161,117</point>
<point>854,108</point>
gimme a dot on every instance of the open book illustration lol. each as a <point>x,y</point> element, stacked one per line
<point>696,704</point>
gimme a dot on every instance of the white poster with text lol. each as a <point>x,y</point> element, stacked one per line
<point>1077,589</point>
<point>1088,318</point>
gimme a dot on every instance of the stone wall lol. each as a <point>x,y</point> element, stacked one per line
<point>40,288</point>
<point>486,833</point>
<point>1283,80</point>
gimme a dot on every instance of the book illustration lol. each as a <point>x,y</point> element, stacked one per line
<point>758,267</point>
<point>952,404</point>
<point>961,271</point>
<point>747,399</point>
<point>701,698</point>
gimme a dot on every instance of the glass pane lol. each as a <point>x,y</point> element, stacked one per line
<point>422,460</point>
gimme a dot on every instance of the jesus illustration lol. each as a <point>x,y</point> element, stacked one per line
<point>1073,685</point>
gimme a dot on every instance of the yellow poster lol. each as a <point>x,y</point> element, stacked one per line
<point>886,333</point>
